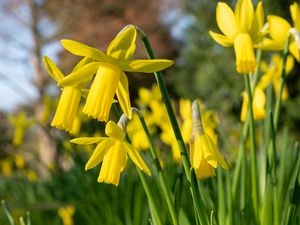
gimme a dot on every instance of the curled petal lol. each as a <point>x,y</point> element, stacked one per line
<point>226,20</point>
<point>87,140</point>
<point>123,95</point>
<point>146,65</point>
<point>114,131</point>
<point>99,153</point>
<point>278,28</point>
<point>221,39</point>
<point>52,69</point>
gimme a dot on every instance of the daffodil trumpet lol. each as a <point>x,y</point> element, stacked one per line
<point>110,79</point>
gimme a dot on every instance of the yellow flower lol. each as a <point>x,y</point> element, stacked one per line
<point>109,68</point>
<point>273,74</point>
<point>258,104</point>
<point>112,150</point>
<point>32,176</point>
<point>19,161</point>
<point>185,109</point>
<point>278,31</point>
<point>6,168</point>
<point>70,97</point>
<point>21,123</point>
<point>168,137</point>
<point>204,154</point>
<point>242,29</point>
<point>66,214</point>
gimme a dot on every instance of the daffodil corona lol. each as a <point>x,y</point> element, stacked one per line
<point>112,151</point>
<point>242,29</point>
<point>110,78</point>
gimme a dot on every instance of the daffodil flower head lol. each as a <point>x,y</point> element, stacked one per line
<point>272,74</point>
<point>204,154</point>
<point>68,104</point>
<point>242,29</point>
<point>112,151</point>
<point>66,213</point>
<point>20,123</point>
<point>109,68</point>
<point>258,104</point>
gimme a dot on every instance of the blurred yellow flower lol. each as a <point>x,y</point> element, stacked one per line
<point>68,104</point>
<point>21,123</point>
<point>185,109</point>
<point>6,168</point>
<point>242,29</point>
<point>258,104</point>
<point>204,154</point>
<point>32,176</point>
<point>66,213</point>
<point>273,74</point>
<point>112,150</point>
<point>110,78</point>
<point>19,161</point>
<point>278,32</point>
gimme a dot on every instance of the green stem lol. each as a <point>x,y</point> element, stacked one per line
<point>190,173</point>
<point>282,81</point>
<point>253,147</point>
<point>162,178</point>
<point>143,179</point>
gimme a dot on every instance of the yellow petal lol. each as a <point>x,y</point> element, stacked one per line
<point>81,75</point>
<point>226,20</point>
<point>136,158</point>
<point>244,53</point>
<point>244,13</point>
<point>196,152</point>
<point>244,109</point>
<point>295,13</point>
<point>102,92</point>
<point>98,154</point>
<point>294,50</point>
<point>87,140</point>
<point>271,45</point>
<point>82,62</point>
<point>221,39</point>
<point>278,28</point>
<point>52,69</point>
<point>146,65</point>
<point>114,131</point>
<point>258,20</point>
<point>123,95</point>
<point>80,49</point>
<point>259,103</point>
<point>123,46</point>
<point>289,64</point>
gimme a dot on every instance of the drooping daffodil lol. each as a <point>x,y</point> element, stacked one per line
<point>109,68</point>
<point>112,151</point>
<point>279,29</point>
<point>242,29</point>
<point>204,154</point>
<point>66,112</point>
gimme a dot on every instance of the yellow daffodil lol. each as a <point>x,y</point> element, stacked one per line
<point>112,150</point>
<point>279,29</point>
<point>204,154</point>
<point>273,74</point>
<point>31,176</point>
<point>66,213</point>
<point>68,104</point>
<point>185,109</point>
<point>6,167</point>
<point>109,68</point>
<point>258,104</point>
<point>21,123</point>
<point>242,29</point>
<point>19,161</point>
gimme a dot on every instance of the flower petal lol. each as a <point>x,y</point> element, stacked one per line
<point>258,20</point>
<point>81,75</point>
<point>221,39</point>
<point>136,158</point>
<point>146,65</point>
<point>278,28</point>
<point>123,46</point>
<point>80,49</point>
<point>294,50</point>
<point>52,69</point>
<point>114,131</point>
<point>98,154</point>
<point>295,13</point>
<point>244,13</point>
<point>123,96</point>
<point>226,20</point>
<point>87,140</point>
<point>82,62</point>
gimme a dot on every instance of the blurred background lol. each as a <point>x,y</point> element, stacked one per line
<point>178,29</point>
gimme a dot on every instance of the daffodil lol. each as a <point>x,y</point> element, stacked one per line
<point>258,104</point>
<point>19,161</point>
<point>109,68</point>
<point>68,104</point>
<point>204,154</point>
<point>66,213</point>
<point>6,167</point>
<point>21,123</point>
<point>278,32</point>
<point>272,74</point>
<point>112,151</point>
<point>242,29</point>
